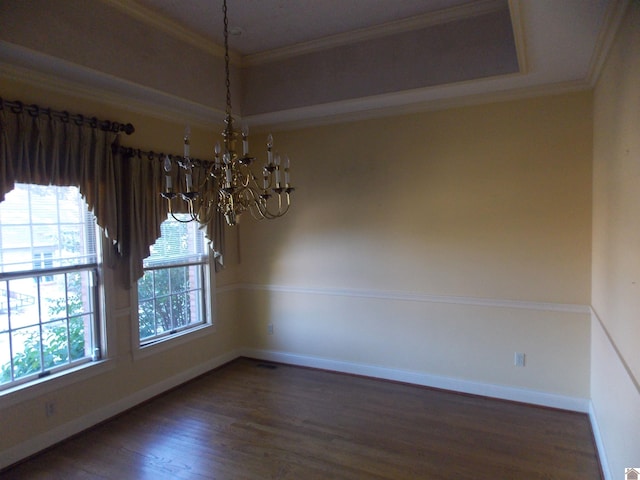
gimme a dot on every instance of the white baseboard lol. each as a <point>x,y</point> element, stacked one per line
<point>533,397</point>
<point>599,443</point>
<point>62,432</point>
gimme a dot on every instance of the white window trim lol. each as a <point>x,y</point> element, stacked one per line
<point>65,378</point>
<point>54,382</point>
<point>180,338</point>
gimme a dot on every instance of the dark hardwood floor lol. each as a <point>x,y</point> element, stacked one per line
<point>248,421</point>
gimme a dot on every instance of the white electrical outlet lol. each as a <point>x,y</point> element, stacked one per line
<point>270,329</point>
<point>518,359</point>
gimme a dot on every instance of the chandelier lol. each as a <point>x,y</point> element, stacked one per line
<point>229,184</point>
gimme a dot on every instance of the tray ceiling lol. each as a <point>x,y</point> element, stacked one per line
<point>310,60</point>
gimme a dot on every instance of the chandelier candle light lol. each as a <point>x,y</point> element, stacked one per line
<point>230,184</point>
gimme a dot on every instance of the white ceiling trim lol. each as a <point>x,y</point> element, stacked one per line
<point>378,31</point>
<point>170,27</point>
<point>457,95</point>
<point>606,36</point>
<point>146,101</point>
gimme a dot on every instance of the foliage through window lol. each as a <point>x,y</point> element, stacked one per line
<point>172,293</point>
<point>49,315</point>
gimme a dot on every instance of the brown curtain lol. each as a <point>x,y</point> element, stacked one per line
<point>45,150</point>
<point>122,189</point>
<point>143,211</point>
<point>143,179</point>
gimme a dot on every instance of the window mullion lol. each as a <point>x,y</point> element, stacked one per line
<point>172,325</point>
<point>12,365</point>
<point>41,342</point>
<point>155,305</point>
<point>203,283</point>
<point>66,295</point>
<point>96,333</point>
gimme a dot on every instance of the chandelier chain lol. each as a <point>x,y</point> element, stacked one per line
<point>226,58</point>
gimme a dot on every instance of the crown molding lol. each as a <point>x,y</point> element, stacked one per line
<point>606,37</point>
<point>459,95</point>
<point>124,95</point>
<point>164,24</point>
<point>468,10</point>
<point>100,87</point>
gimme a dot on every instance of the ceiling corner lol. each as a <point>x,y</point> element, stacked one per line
<point>518,35</point>
<point>613,18</point>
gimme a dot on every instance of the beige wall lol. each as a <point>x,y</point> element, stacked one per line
<point>438,243</point>
<point>615,378</point>
<point>123,381</point>
<point>458,202</point>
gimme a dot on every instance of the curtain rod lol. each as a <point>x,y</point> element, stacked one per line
<point>151,155</point>
<point>35,110</point>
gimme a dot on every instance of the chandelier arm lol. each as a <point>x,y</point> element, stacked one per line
<point>262,204</point>
<point>204,210</point>
<point>242,179</point>
<point>169,199</point>
<point>201,185</point>
<point>202,213</point>
<point>179,219</point>
<point>248,178</point>
<point>191,209</point>
<point>258,211</point>
<point>253,178</point>
<point>282,211</point>
<point>269,215</point>
<point>254,204</point>
<point>258,215</point>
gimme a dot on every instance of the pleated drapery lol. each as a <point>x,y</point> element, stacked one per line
<point>122,192</point>
<point>144,180</point>
<point>47,151</point>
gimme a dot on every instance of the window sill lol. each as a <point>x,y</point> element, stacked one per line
<point>53,382</point>
<point>173,341</point>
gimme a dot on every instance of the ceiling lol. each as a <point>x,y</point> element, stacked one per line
<point>263,25</point>
<point>308,60</point>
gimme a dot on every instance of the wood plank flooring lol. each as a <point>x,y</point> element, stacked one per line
<point>248,421</point>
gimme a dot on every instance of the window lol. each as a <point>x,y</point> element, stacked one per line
<point>49,309</point>
<point>43,260</point>
<point>172,294</point>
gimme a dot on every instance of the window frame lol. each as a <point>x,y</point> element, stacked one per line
<point>102,334</point>
<point>188,333</point>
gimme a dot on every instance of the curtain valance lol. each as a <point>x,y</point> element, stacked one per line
<point>49,149</point>
<point>144,180</point>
